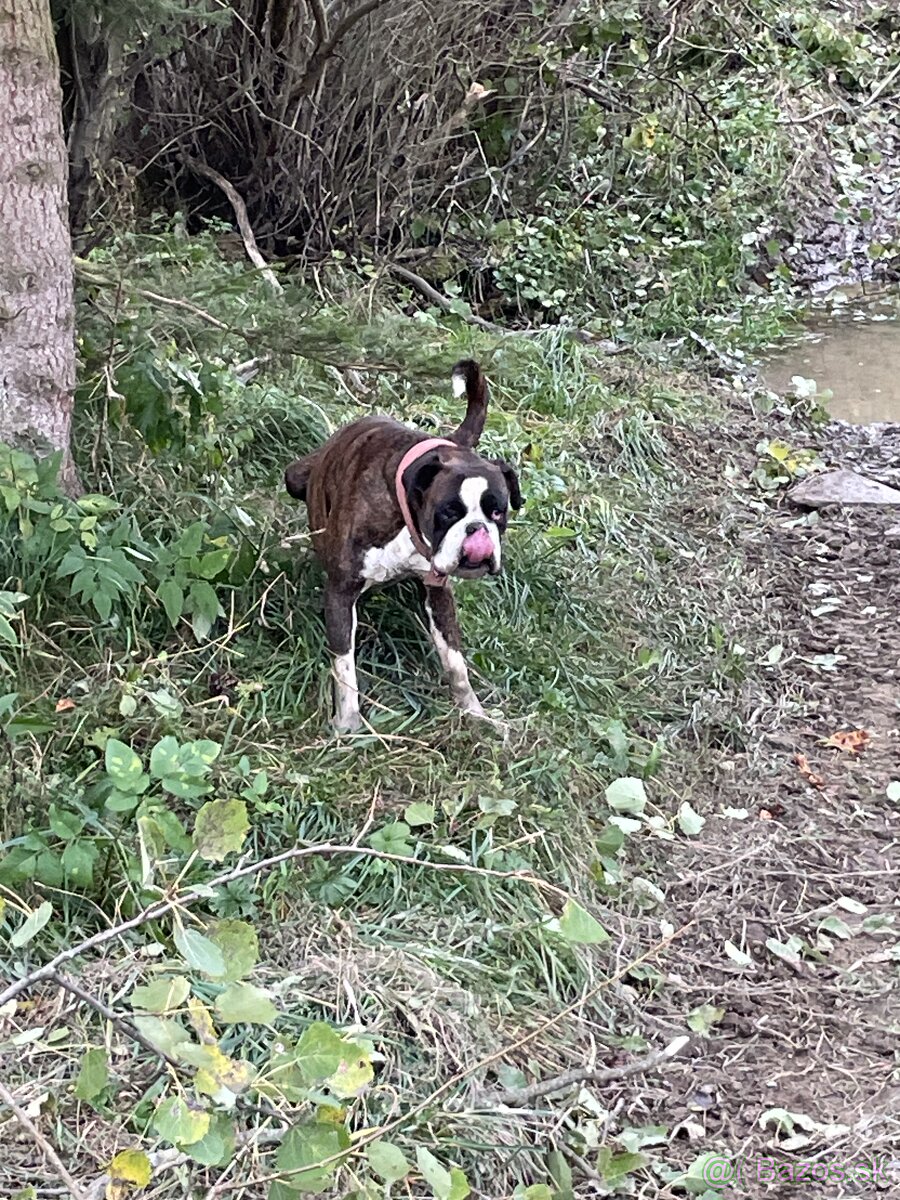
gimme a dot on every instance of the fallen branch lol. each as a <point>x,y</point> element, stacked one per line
<point>436,297</point>
<point>41,1142</point>
<point>172,901</point>
<point>240,211</point>
<point>69,985</point>
<point>517,1097</point>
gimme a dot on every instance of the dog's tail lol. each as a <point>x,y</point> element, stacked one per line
<point>296,477</point>
<point>469,381</point>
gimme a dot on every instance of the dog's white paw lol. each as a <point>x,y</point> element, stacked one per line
<point>347,722</point>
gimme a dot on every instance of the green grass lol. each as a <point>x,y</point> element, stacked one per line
<point>596,643</point>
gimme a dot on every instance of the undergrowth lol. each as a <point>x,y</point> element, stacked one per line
<point>464,905</point>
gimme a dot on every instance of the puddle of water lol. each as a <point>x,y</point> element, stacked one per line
<point>854,353</point>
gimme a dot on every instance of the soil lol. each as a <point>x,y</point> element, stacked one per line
<point>815,1033</point>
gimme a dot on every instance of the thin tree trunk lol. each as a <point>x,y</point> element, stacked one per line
<point>37,348</point>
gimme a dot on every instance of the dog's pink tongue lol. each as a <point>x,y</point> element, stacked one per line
<point>478,547</point>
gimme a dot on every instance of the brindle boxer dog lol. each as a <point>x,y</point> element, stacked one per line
<point>387,502</point>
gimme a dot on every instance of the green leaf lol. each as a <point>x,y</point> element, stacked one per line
<point>577,925</point>
<point>118,801</point>
<point>164,758</point>
<point>245,1003</point>
<point>32,925</point>
<point>702,1019</point>
<point>392,839</point>
<point>459,1185</point>
<point>319,1052</point>
<point>239,945</point>
<point>200,953</point>
<point>737,955</point>
<point>536,1191</point>
<point>836,927</point>
<point>220,829</point>
<point>437,1178</point>
<point>179,1123</point>
<point>307,1146</point>
<point>690,822</point>
<point>387,1160</point>
<point>123,766</point>
<point>93,1074</point>
<point>496,806</point>
<point>216,1147</point>
<point>627,795</point>
<point>78,860</point>
<point>615,1167</point>
<point>162,995</point>
<point>172,597</point>
<point>168,1036</point>
<point>213,563</point>
<point>354,1072</point>
<point>417,814</point>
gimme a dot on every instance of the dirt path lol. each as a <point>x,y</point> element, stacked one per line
<point>803,874</point>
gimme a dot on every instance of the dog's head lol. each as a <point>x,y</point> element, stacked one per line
<point>460,503</point>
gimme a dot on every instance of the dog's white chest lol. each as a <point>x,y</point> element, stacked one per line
<point>395,560</point>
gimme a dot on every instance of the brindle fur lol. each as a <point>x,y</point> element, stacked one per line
<point>348,486</point>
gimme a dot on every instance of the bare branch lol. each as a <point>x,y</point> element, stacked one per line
<point>41,1142</point>
<point>517,1097</point>
<point>240,211</point>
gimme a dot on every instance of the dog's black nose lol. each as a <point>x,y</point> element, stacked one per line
<point>473,528</point>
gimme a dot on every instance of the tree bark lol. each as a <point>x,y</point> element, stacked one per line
<point>37,318</point>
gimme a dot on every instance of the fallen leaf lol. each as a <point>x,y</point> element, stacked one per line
<point>807,772</point>
<point>64,705</point>
<point>852,741</point>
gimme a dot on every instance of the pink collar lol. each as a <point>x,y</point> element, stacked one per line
<point>434,578</point>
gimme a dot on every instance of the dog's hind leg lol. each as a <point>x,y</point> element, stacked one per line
<point>340,628</point>
<point>443,625</point>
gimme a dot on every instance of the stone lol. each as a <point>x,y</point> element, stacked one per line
<point>842,487</point>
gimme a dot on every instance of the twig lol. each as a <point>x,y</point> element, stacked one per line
<point>120,1022</point>
<point>432,294</point>
<point>154,911</point>
<point>517,1097</point>
<point>381,1131</point>
<point>26,1122</point>
<point>240,211</point>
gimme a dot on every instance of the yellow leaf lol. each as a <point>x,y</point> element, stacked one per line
<point>215,1071</point>
<point>778,450</point>
<point>202,1021</point>
<point>130,1169</point>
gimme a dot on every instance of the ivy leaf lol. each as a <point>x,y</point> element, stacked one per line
<point>200,953</point>
<point>162,995</point>
<point>123,766</point>
<point>178,1122</point>
<point>245,1003</point>
<point>577,925</point>
<point>93,1075</point>
<point>627,795</point>
<point>32,925</point>
<point>130,1169</point>
<point>220,829</point>
<point>307,1146</point>
<point>387,1160</point>
<point>238,943</point>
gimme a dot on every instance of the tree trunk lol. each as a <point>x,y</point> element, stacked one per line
<point>37,348</point>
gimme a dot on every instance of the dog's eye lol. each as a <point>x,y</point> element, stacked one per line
<point>497,515</point>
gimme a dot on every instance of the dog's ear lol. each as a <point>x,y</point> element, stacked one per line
<point>512,483</point>
<point>420,476</point>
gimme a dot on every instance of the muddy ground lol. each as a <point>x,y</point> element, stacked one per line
<point>809,852</point>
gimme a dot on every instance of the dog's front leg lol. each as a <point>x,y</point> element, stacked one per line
<point>340,628</point>
<point>444,627</point>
